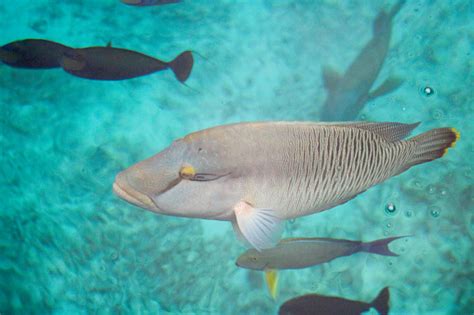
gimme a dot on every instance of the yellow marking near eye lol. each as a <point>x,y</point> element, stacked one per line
<point>187,171</point>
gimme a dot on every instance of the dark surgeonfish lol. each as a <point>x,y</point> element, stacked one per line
<point>315,304</point>
<point>109,63</point>
<point>348,94</point>
<point>296,253</point>
<point>33,54</point>
<point>143,3</point>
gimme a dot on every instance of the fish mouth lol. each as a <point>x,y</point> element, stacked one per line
<point>8,56</point>
<point>132,196</point>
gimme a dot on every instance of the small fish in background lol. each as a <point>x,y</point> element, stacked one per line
<point>257,175</point>
<point>109,63</point>
<point>315,304</point>
<point>296,253</point>
<point>33,54</point>
<point>348,94</point>
<point>144,3</point>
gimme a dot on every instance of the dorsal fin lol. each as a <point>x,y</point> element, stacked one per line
<point>390,131</point>
<point>330,77</point>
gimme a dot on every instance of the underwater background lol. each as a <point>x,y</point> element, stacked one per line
<point>68,245</point>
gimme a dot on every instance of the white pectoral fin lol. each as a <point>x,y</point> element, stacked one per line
<point>260,227</point>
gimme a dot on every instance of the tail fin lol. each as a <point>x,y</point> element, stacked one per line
<point>380,303</point>
<point>380,246</point>
<point>396,8</point>
<point>182,65</point>
<point>384,19</point>
<point>433,144</point>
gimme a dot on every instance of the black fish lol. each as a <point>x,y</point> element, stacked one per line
<point>109,63</point>
<point>143,3</point>
<point>33,54</point>
<point>314,304</point>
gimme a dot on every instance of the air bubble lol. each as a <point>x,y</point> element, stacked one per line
<point>431,190</point>
<point>428,91</point>
<point>435,212</point>
<point>390,208</point>
<point>292,221</point>
<point>437,114</point>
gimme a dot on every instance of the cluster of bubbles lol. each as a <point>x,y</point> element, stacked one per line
<point>391,210</point>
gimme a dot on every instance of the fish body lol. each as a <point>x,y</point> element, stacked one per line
<point>257,175</point>
<point>110,63</point>
<point>315,304</point>
<point>143,3</point>
<point>347,94</point>
<point>33,54</point>
<point>306,252</point>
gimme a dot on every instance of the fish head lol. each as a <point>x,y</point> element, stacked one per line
<point>8,57</point>
<point>185,179</point>
<point>73,60</point>
<point>11,53</point>
<point>252,259</point>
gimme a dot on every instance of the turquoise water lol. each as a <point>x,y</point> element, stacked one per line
<point>69,246</point>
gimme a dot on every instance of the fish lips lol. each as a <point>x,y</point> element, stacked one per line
<point>127,193</point>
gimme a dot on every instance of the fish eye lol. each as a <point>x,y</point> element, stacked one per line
<point>253,258</point>
<point>187,171</point>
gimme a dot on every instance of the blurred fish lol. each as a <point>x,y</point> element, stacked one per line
<point>109,63</point>
<point>315,304</point>
<point>142,3</point>
<point>33,54</point>
<point>295,253</point>
<point>257,175</point>
<point>348,94</point>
